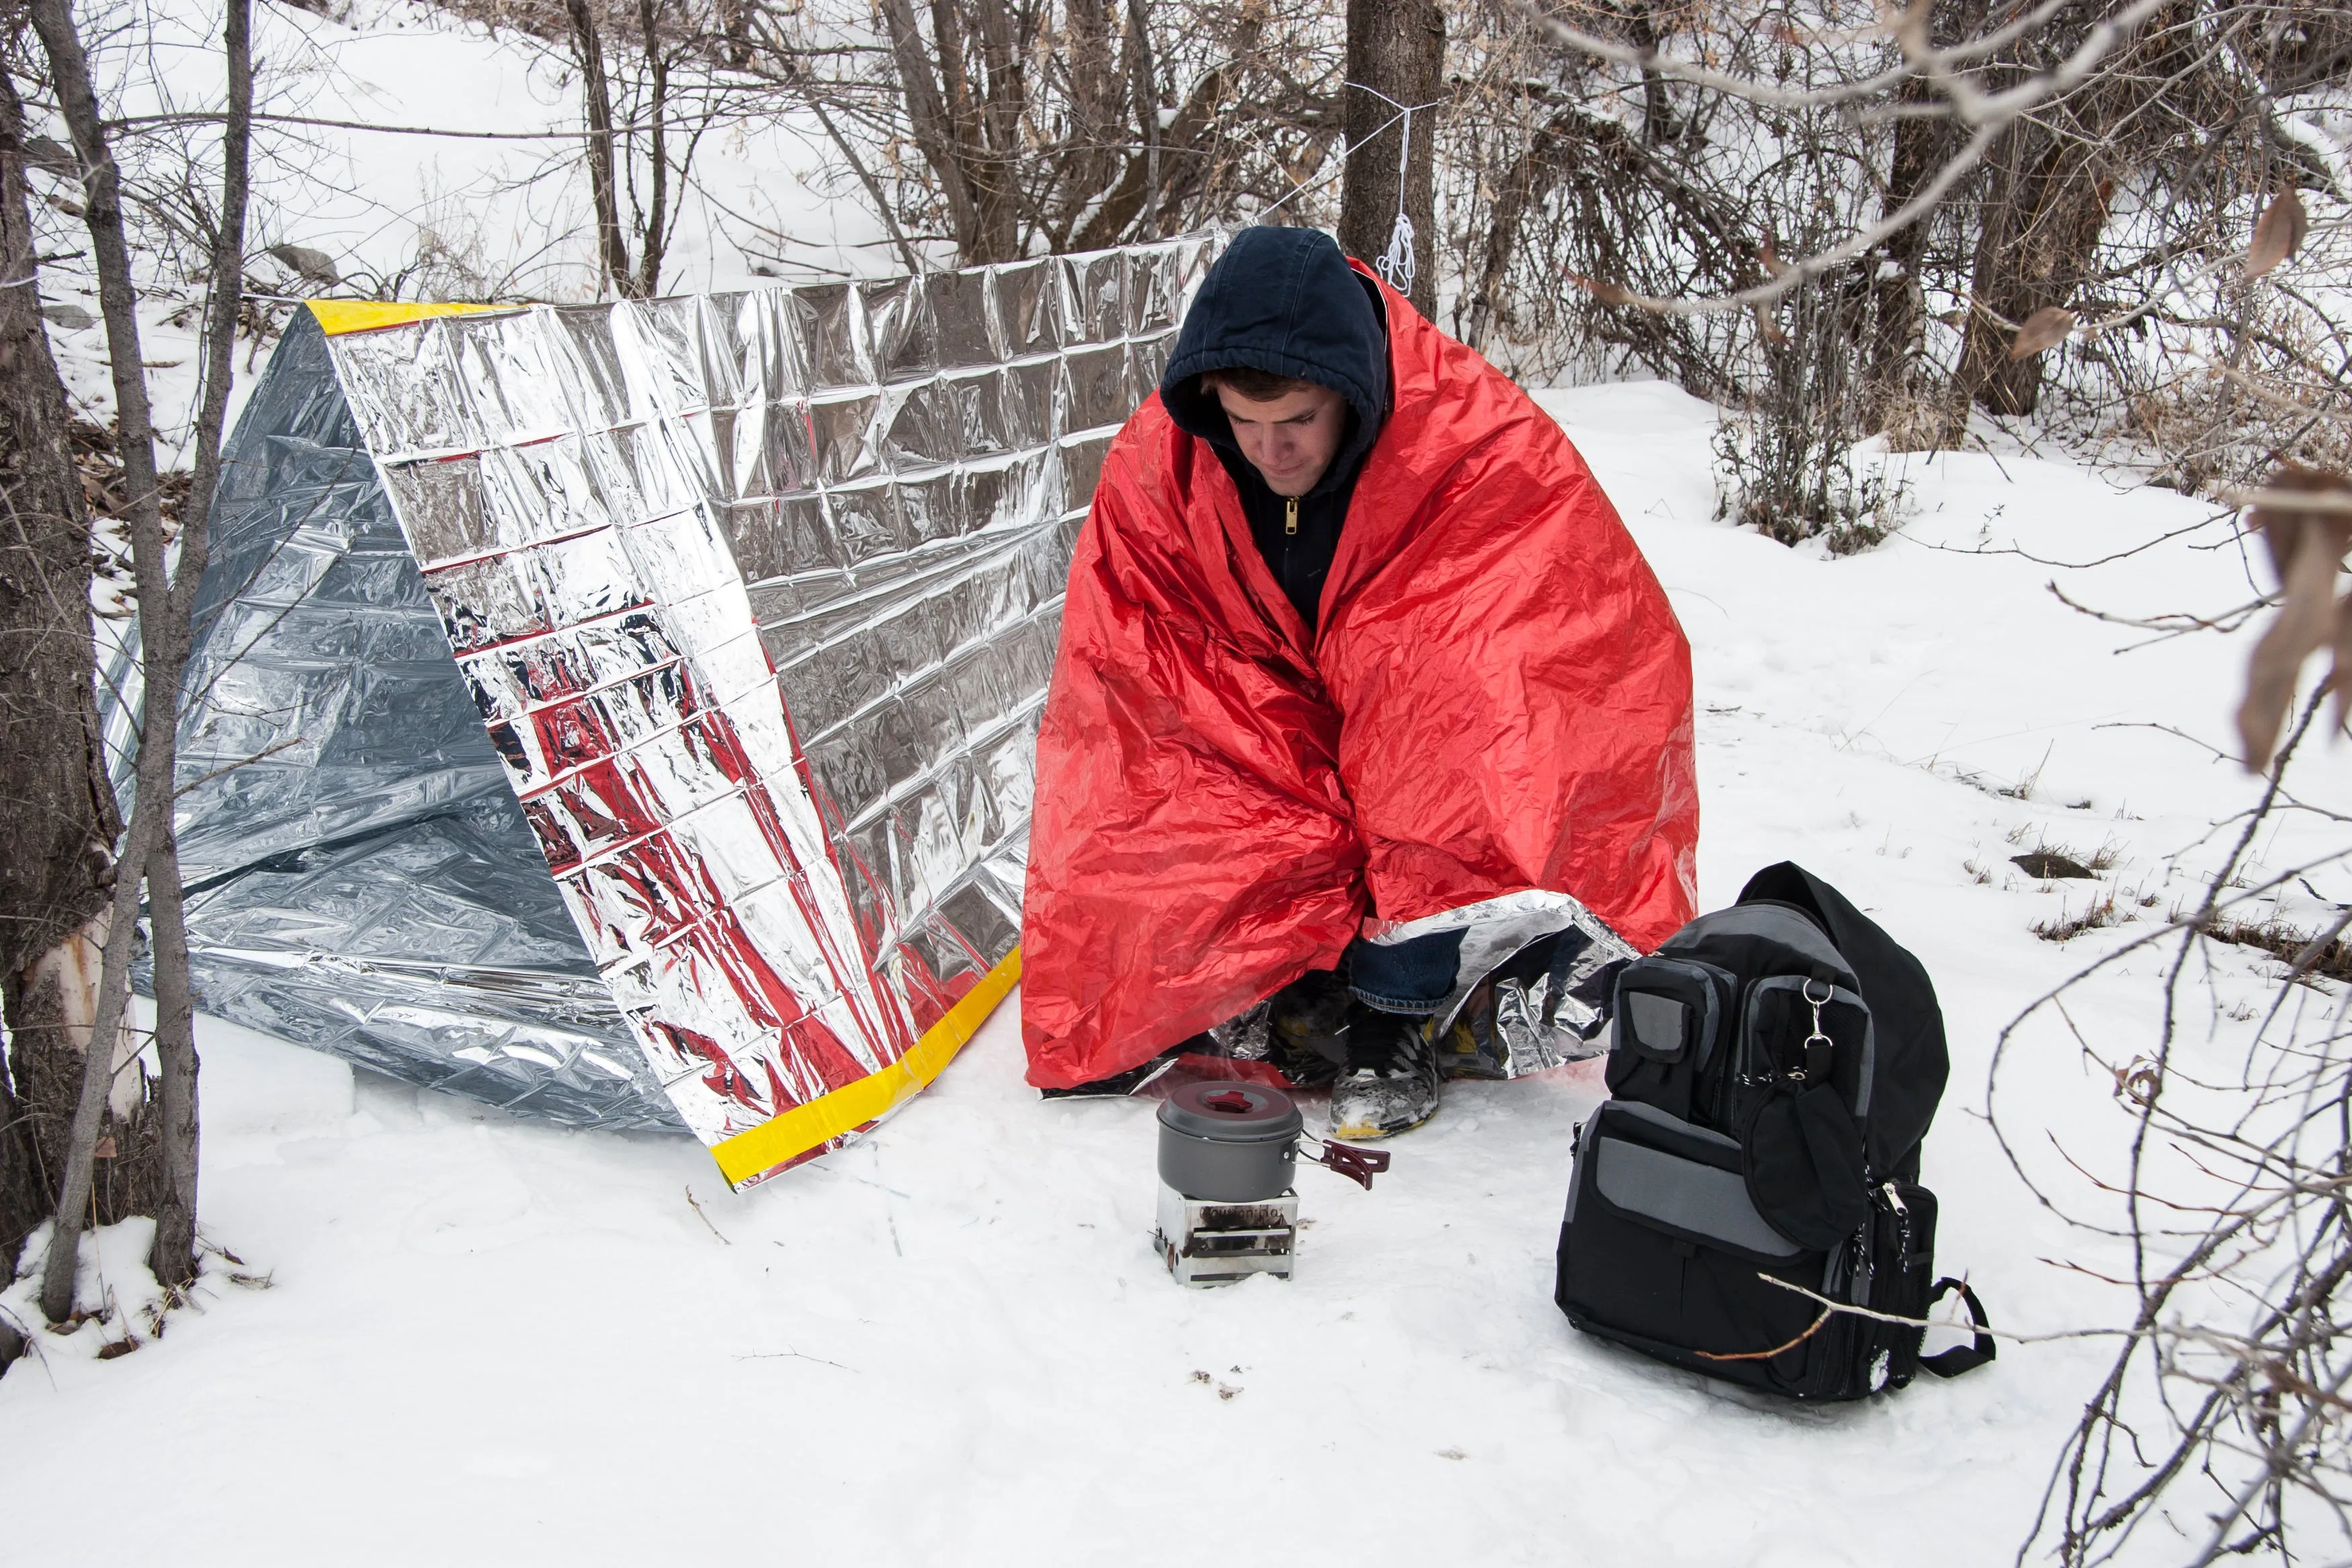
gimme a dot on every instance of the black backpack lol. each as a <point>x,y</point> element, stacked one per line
<point>1773,1070</point>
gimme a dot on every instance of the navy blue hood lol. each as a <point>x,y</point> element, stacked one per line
<point>1283,300</point>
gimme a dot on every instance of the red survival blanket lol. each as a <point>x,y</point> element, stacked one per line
<point>1498,697</point>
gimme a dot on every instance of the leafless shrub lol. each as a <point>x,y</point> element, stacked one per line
<point>147,861</point>
<point>980,130</point>
<point>1008,129</point>
<point>2219,1200</point>
<point>2033,210</point>
<point>2101,914</point>
<point>2307,952</point>
<point>2216,1201</point>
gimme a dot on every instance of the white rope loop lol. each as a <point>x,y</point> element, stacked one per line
<point>1396,264</point>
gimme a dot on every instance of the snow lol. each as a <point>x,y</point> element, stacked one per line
<point>448,1335</point>
<point>486,1341</point>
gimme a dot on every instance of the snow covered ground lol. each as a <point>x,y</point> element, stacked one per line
<point>483,1341</point>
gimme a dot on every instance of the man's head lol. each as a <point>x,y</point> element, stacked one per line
<point>1284,354</point>
<point>1290,429</point>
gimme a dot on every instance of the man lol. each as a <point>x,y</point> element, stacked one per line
<point>1355,655</point>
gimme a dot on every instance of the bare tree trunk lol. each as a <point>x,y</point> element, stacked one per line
<point>1095,94</point>
<point>2039,237</point>
<point>76,1181</point>
<point>651,242</point>
<point>735,26</point>
<point>2052,175</point>
<point>967,126</point>
<point>1658,123</point>
<point>1397,49</point>
<point>1923,144</point>
<point>999,100</point>
<point>173,1256</point>
<point>1145,73</point>
<point>1151,184</point>
<point>57,821</point>
<point>164,603</point>
<point>929,115</point>
<point>58,998</point>
<point>588,52</point>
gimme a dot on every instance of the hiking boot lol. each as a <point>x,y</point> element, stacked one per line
<point>1308,1037</point>
<point>1389,1084</point>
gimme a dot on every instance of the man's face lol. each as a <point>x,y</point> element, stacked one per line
<point>1291,440</point>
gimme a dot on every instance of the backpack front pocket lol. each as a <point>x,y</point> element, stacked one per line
<point>1663,1249</point>
<point>1669,1019</point>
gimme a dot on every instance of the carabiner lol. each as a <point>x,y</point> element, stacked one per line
<point>1797,1074</point>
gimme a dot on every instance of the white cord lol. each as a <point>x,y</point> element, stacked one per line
<point>1396,264</point>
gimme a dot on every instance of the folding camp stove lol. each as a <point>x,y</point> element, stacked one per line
<point>1209,1243</point>
<point>1227,1210</point>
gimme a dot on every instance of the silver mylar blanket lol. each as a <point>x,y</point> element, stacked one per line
<point>625,713</point>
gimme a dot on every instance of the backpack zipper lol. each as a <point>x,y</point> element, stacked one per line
<point>1290,515</point>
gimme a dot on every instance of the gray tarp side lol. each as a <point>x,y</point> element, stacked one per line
<point>359,874</point>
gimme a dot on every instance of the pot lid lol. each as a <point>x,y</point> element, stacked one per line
<point>1231,1112</point>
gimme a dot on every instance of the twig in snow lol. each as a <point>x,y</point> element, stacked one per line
<point>704,1217</point>
<point>795,1355</point>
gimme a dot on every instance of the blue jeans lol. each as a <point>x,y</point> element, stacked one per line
<point>1413,977</point>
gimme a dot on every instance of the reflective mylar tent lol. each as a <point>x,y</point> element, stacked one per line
<point>625,713</point>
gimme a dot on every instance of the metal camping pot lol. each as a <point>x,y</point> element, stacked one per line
<point>1229,1142</point>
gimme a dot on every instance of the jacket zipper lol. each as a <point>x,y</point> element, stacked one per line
<point>1290,515</point>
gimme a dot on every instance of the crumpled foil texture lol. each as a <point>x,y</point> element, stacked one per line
<point>1531,983</point>
<point>723,798</point>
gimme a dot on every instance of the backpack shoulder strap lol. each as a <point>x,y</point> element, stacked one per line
<point>1968,1357</point>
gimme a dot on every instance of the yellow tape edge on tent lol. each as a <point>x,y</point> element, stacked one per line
<point>803,1128</point>
<point>337,317</point>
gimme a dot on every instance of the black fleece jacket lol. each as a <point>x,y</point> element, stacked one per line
<point>1284,300</point>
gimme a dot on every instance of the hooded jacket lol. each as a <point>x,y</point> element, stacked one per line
<point>1493,696</point>
<point>1284,300</point>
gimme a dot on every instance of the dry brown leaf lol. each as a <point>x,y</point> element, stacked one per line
<point>105,1150</point>
<point>1770,330</point>
<point>1773,265</point>
<point>2306,548</point>
<point>2278,233</point>
<point>1607,293</point>
<point>2046,328</point>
